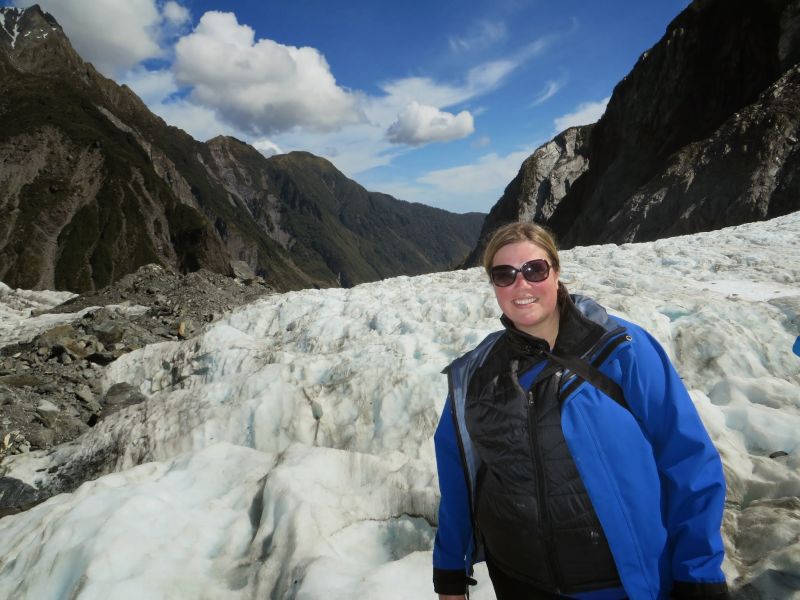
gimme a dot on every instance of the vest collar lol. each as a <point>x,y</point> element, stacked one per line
<point>581,323</point>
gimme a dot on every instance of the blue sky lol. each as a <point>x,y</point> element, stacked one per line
<point>436,102</point>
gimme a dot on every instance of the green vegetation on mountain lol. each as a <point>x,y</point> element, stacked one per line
<point>93,186</point>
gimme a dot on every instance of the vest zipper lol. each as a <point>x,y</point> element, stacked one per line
<point>544,513</point>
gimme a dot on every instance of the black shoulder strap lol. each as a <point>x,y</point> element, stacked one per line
<point>593,375</point>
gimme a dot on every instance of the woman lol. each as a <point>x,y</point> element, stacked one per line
<point>570,455</point>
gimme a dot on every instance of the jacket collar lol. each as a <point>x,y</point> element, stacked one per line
<point>581,323</point>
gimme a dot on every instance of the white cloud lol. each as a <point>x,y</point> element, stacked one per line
<point>482,142</point>
<point>201,122</point>
<point>399,93</point>
<point>465,188</point>
<point>489,76</point>
<point>420,124</point>
<point>358,148</point>
<point>175,14</point>
<point>489,173</point>
<point>266,147</point>
<point>484,35</point>
<point>353,150</point>
<point>551,88</point>
<point>479,80</point>
<point>587,112</point>
<point>536,47</point>
<point>392,110</point>
<point>160,91</point>
<point>114,35</point>
<point>364,146</point>
<point>153,87</point>
<point>260,86</point>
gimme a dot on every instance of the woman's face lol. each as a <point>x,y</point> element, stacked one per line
<point>531,306</point>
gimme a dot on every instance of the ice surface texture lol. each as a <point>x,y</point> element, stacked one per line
<point>287,452</point>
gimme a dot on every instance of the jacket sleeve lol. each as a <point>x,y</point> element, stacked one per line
<point>689,466</point>
<point>454,535</point>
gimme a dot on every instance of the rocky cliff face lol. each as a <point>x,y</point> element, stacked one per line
<point>93,185</point>
<point>700,135</point>
<point>544,179</point>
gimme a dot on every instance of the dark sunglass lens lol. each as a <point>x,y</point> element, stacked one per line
<point>536,270</point>
<point>503,275</point>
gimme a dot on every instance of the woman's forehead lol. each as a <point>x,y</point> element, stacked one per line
<point>519,252</point>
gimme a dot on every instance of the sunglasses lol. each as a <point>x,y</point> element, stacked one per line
<point>534,270</point>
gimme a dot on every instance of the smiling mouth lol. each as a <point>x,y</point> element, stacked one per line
<point>524,301</point>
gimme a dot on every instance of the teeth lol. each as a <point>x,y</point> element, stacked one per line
<point>524,301</point>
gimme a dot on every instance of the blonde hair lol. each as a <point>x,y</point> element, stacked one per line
<point>512,233</point>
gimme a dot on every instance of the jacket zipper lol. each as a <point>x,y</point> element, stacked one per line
<point>540,491</point>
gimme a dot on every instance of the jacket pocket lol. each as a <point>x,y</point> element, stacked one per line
<point>513,540</point>
<point>585,559</point>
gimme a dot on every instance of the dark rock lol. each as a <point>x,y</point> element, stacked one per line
<point>5,397</point>
<point>17,496</point>
<point>101,358</point>
<point>53,336</point>
<point>108,332</point>
<point>21,380</point>
<point>700,135</point>
<point>42,438</point>
<point>241,270</point>
<point>119,396</point>
<point>84,394</point>
<point>75,349</point>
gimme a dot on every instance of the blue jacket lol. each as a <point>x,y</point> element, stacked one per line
<point>653,475</point>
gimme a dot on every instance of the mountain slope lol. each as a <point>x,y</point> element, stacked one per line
<point>334,227</point>
<point>94,185</point>
<point>700,135</point>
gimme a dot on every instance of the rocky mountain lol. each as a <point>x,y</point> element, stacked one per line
<point>93,186</point>
<point>333,227</point>
<point>700,135</point>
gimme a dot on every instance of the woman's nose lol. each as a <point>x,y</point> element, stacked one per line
<point>519,280</point>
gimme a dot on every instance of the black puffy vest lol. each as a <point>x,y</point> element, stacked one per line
<point>532,509</point>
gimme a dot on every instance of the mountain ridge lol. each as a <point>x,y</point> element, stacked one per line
<point>698,136</point>
<point>96,185</point>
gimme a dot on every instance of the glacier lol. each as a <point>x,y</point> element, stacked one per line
<point>286,451</point>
